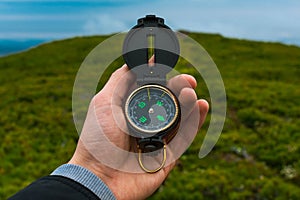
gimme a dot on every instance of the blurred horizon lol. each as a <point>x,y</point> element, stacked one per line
<point>37,21</point>
<point>12,46</point>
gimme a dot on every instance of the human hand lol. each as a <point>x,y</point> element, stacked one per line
<point>104,146</point>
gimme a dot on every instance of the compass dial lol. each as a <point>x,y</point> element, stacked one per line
<point>151,109</point>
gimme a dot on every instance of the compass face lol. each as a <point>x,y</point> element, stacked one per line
<point>151,109</point>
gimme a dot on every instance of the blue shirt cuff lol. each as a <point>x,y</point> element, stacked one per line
<point>86,178</point>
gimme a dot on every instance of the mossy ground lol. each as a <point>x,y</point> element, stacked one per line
<point>256,157</point>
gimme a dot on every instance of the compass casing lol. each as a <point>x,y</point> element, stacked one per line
<point>155,124</point>
<point>151,126</point>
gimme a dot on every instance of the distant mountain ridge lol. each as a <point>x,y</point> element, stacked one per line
<point>10,46</point>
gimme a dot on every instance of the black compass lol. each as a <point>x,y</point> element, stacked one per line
<point>152,111</point>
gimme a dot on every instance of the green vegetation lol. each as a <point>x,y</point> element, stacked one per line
<point>256,157</point>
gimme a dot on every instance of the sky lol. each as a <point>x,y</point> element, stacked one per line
<point>266,20</point>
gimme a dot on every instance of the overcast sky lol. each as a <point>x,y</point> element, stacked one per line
<point>268,20</point>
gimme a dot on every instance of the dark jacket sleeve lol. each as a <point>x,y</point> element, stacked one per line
<point>55,188</point>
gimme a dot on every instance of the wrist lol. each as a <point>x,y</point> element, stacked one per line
<point>89,163</point>
<point>86,178</point>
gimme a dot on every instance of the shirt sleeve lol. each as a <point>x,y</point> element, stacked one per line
<point>85,178</point>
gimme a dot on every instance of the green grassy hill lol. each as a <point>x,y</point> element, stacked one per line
<point>256,157</point>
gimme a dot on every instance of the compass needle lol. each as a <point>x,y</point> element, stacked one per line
<point>149,94</point>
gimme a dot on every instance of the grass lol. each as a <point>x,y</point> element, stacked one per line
<point>256,157</point>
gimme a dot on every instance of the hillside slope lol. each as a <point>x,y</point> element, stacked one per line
<point>256,157</point>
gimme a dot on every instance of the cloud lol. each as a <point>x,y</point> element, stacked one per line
<point>38,17</point>
<point>102,24</point>
<point>259,20</point>
<point>69,1</point>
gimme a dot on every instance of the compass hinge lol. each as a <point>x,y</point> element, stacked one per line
<point>151,20</point>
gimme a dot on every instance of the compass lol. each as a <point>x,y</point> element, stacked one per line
<point>152,111</point>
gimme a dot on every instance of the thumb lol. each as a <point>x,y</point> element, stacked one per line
<point>118,85</point>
